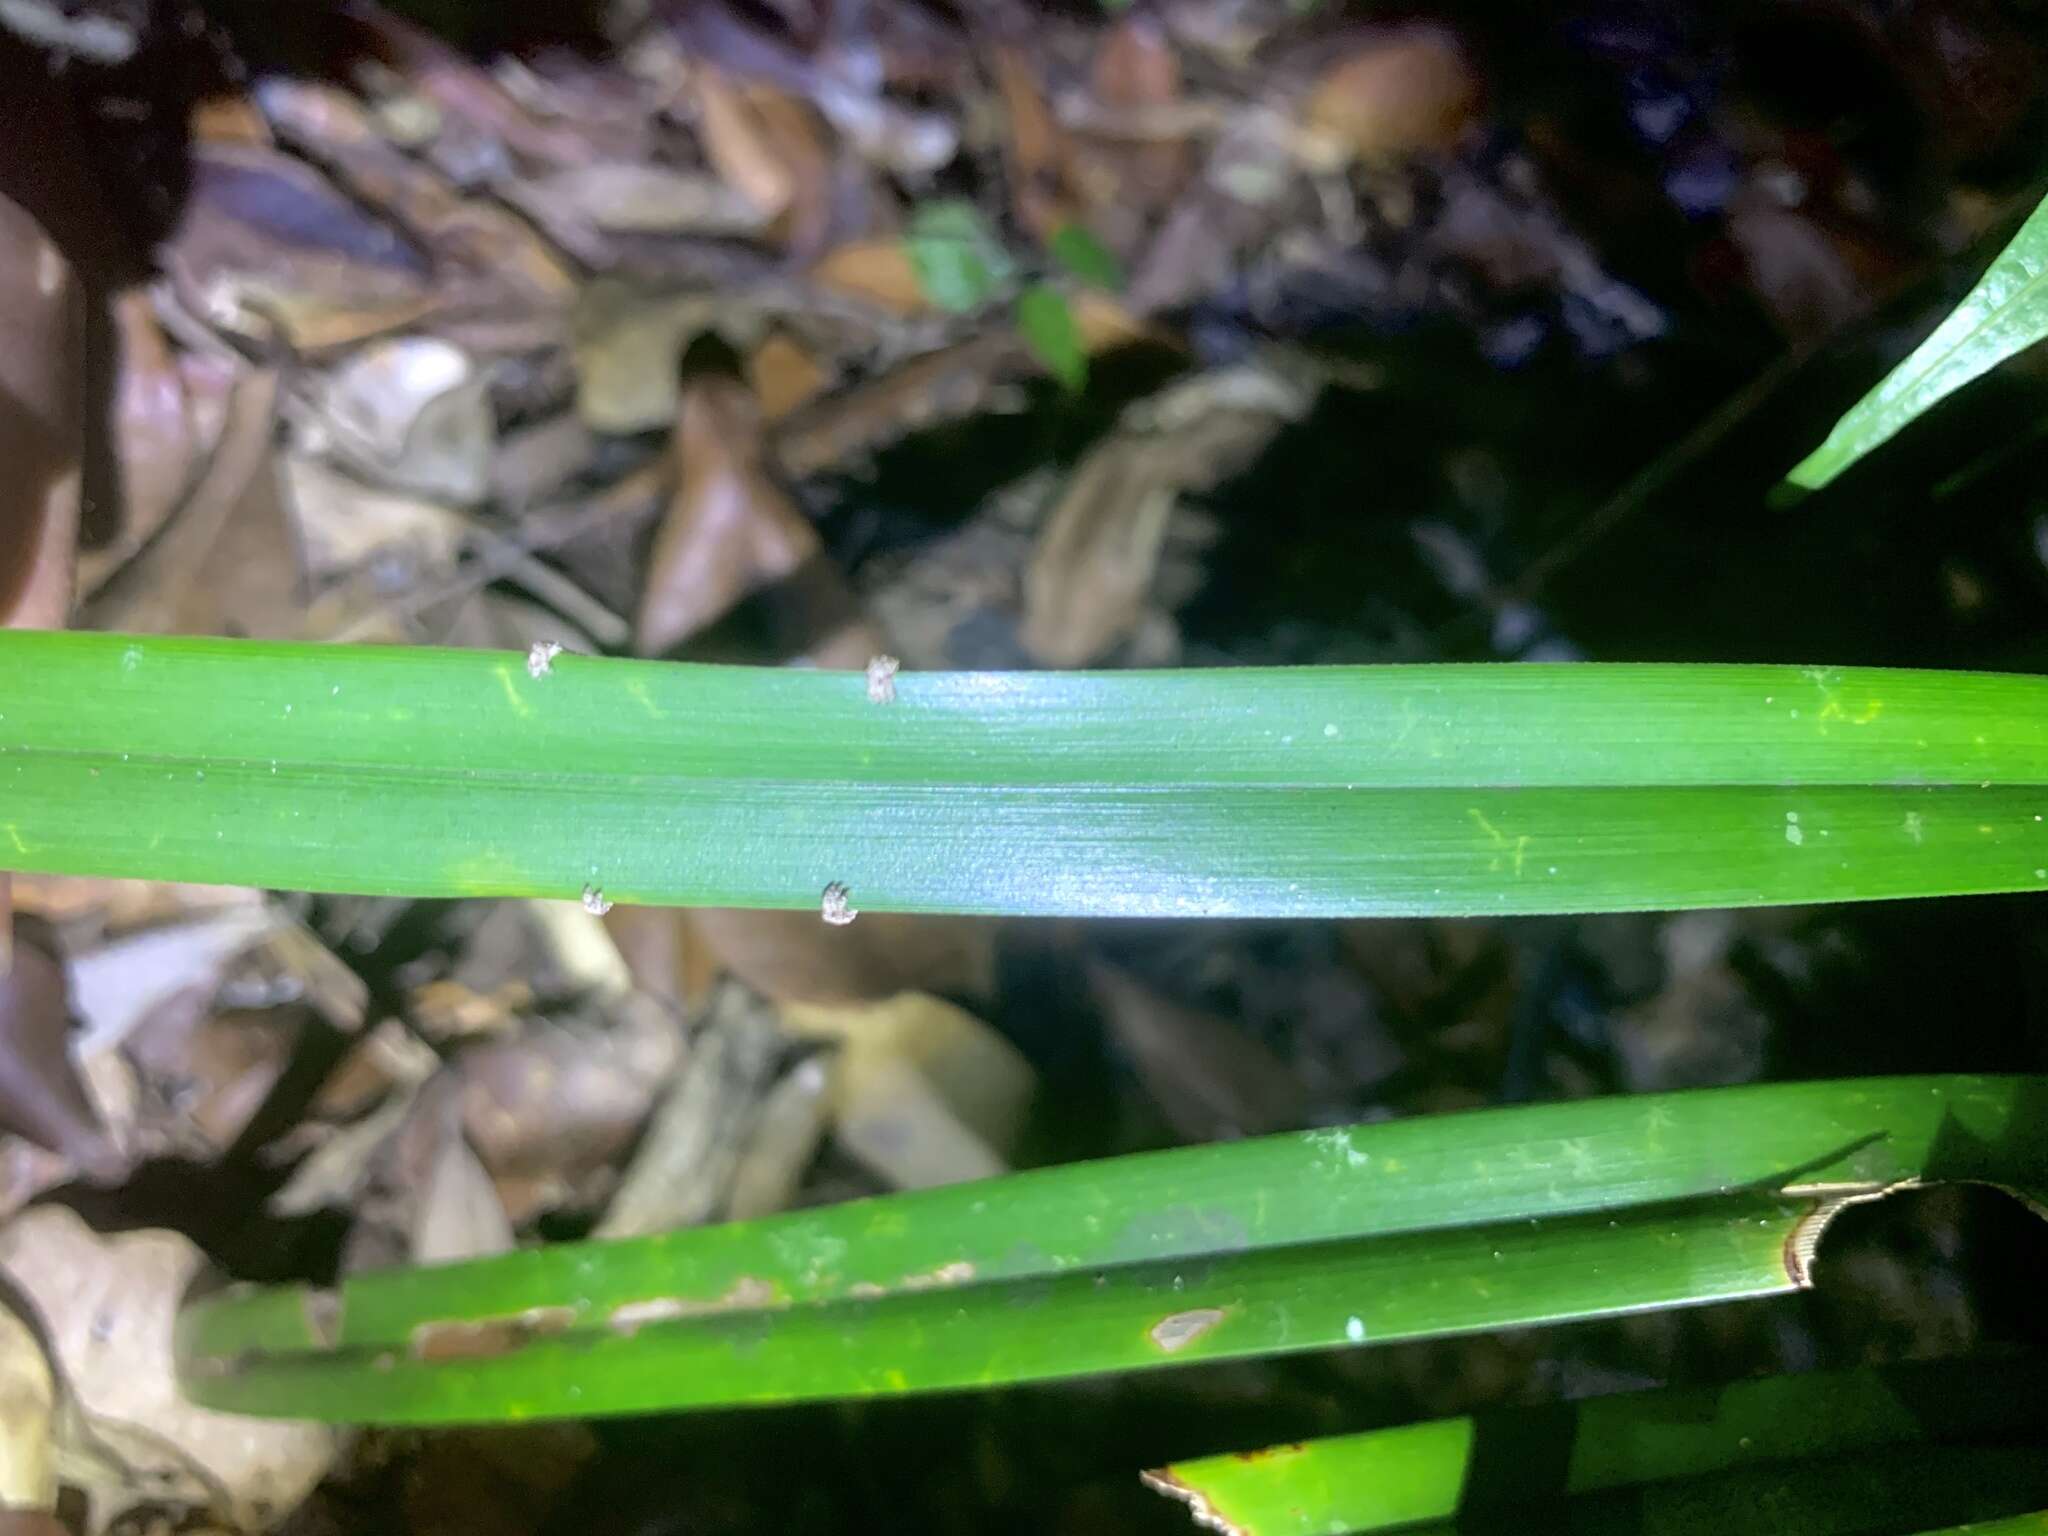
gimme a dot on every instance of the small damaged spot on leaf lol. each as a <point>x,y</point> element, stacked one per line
<point>540,661</point>
<point>882,680</point>
<point>1203,1512</point>
<point>480,1340</point>
<point>595,902</point>
<point>836,906</point>
<point>959,1272</point>
<point>323,1318</point>
<point>748,1293</point>
<point>1180,1329</point>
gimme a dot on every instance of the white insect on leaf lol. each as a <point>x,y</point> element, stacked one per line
<point>595,902</point>
<point>540,661</point>
<point>882,680</point>
<point>837,907</point>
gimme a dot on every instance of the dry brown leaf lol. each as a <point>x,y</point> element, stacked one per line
<point>106,1306</point>
<point>729,529</point>
<point>227,120</point>
<point>1038,156</point>
<point>631,198</point>
<point>203,1074</point>
<point>784,376</point>
<point>923,391</point>
<point>476,235</point>
<point>1407,92</point>
<point>1135,74</point>
<point>41,432</point>
<point>1085,588</point>
<point>1095,558</point>
<point>877,272</point>
<point>41,1096</point>
<point>140,472</point>
<point>736,143</point>
<point>267,244</point>
<point>1211,1080</point>
<point>550,1113</point>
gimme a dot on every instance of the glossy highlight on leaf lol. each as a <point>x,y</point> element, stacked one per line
<point>2005,313</point>
<point>1336,791</point>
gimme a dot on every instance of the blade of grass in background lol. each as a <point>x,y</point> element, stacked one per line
<point>2006,312</point>
<point>1405,1230</point>
<point>1305,792</point>
<point>1501,1463</point>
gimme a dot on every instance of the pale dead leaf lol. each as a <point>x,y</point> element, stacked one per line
<point>413,413</point>
<point>106,1306</point>
<point>628,345</point>
<point>923,1092</point>
<point>666,955</point>
<point>116,986</point>
<point>793,957</point>
<point>784,1141</point>
<point>458,1215</point>
<point>28,1404</point>
<point>681,1173</point>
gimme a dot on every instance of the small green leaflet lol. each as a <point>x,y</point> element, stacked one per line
<point>959,262</point>
<point>1086,257</point>
<point>1046,323</point>
<point>2006,312</point>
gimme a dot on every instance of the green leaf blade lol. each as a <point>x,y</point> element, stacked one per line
<point>1046,322</point>
<point>1452,1469</point>
<point>1409,1229</point>
<point>1304,792</point>
<point>2006,312</point>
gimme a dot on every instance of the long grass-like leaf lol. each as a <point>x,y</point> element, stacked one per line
<point>1463,1469</point>
<point>2005,313</point>
<point>1404,1230</point>
<point>1311,791</point>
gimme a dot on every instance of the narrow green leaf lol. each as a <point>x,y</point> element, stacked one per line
<point>1076,249</point>
<point>2032,1524</point>
<point>958,260</point>
<point>2006,312</point>
<point>1304,792</point>
<point>1463,1469</point>
<point>1404,1230</point>
<point>1046,322</point>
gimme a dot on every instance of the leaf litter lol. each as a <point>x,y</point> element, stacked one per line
<point>859,336</point>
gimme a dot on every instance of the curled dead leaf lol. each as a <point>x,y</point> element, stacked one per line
<point>730,531</point>
<point>877,272</point>
<point>106,1305</point>
<point>41,1096</point>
